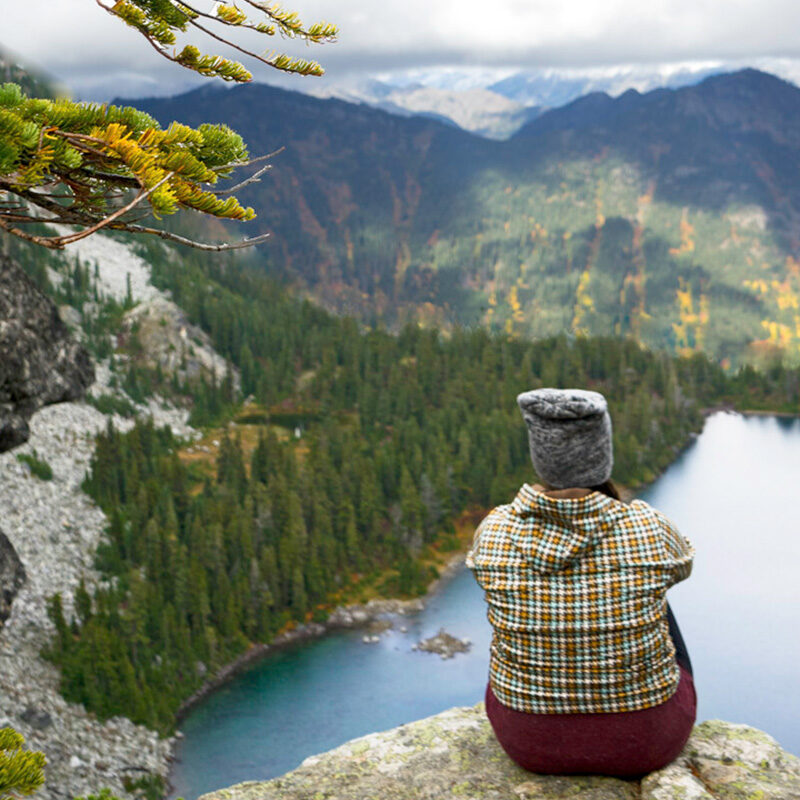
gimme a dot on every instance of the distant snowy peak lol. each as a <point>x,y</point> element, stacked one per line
<point>552,88</point>
<point>477,110</point>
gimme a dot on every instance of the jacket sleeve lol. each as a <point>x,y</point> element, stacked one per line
<point>679,550</point>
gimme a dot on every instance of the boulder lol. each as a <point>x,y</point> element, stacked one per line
<point>40,363</point>
<point>455,755</point>
<point>37,718</point>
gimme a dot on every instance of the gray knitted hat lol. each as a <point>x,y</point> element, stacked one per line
<point>569,431</point>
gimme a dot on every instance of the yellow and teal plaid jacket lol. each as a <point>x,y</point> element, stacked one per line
<point>576,589</point>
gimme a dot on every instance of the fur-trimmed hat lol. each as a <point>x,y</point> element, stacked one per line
<point>569,431</point>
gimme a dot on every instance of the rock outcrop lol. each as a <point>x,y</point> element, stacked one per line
<point>455,755</point>
<point>444,644</point>
<point>55,529</point>
<point>168,340</point>
<point>39,361</point>
<point>12,576</point>
<point>39,364</point>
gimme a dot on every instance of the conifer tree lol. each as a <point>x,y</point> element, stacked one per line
<point>96,166</point>
<point>21,771</point>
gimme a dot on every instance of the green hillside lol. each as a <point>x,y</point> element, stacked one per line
<point>671,216</point>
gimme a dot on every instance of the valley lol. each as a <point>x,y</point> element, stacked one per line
<point>672,217</point>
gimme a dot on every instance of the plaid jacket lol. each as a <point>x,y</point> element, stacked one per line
<point>576,589</point>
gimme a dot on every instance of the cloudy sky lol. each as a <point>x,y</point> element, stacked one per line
<point>99,57</point>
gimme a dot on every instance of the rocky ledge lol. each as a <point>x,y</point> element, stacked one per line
<point>455,755</point>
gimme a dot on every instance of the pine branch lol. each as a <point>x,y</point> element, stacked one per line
<point>77,161</point>
<point>160,34</point>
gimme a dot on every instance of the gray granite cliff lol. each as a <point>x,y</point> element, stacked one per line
<point>40,363</point>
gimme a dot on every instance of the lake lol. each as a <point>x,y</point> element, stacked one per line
<point>730,492</point>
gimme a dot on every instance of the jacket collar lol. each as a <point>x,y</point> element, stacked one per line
<point>562,502</point>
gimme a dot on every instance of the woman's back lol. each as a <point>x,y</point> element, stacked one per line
<point>583,674</point>
<point>575,584</point>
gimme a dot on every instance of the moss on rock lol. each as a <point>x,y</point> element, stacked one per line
<point>454,755</point>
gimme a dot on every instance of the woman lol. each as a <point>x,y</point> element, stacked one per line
<point>588,672</point>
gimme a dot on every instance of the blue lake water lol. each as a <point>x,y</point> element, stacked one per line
<point>732,493</point>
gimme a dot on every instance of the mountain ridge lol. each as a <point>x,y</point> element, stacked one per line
<point>411,219</point>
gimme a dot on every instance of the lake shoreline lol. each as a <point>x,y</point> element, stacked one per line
<point>355,615</point>
<point>749,412</point>
<point>352,616</point>
<point>386,685</point>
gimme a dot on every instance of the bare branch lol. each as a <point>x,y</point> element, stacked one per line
<point>173,237</point>
<point>45,241</point>
<point>229,43</point>
<point>22,219</point>
<point>57,242</point>
<point>254,178</point>
<point>67,215</point>
<point>251,161</point>
<point>118,213</point>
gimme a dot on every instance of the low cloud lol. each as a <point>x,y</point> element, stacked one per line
<point>89,50</point>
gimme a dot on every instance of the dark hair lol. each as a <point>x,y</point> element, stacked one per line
<point>607,488</point>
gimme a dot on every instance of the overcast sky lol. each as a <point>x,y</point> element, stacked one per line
<point>97,55</point>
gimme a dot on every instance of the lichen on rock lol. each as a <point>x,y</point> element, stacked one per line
<point>454,755</point>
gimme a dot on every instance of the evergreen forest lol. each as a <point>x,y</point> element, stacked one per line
<point>369,445</point>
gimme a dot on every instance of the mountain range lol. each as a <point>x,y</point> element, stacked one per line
<point>496,103</point>
<point>671,216</point>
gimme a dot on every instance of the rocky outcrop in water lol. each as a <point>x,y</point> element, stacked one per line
<point>39,361</point>
<point>455,755</point>
<point>444,644</point>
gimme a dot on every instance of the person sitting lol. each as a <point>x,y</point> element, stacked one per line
<point>588,670</point>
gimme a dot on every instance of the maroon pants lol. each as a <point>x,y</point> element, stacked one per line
<point>626,744</point>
